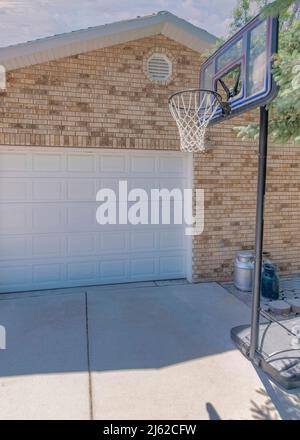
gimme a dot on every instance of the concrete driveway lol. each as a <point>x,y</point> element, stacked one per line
<point>138,351</point>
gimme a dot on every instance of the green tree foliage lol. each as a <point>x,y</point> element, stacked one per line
<point>284,123</point>
<point>279,7</point>
<point>240,16</point>
<point>245,10</point>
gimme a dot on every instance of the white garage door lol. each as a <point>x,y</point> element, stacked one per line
<point>49,236</point>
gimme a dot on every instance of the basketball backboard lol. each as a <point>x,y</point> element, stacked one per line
<point>240,70</point>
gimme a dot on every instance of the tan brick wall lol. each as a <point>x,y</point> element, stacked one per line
<point>97,99</point>
<point>103,99</point>
<point>228,173</point>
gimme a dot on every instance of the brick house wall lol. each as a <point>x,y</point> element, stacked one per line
<point>103,99</point>
<point>96,99</point>
<point>228,173</point>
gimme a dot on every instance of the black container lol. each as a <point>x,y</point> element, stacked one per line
<point>270,282</point>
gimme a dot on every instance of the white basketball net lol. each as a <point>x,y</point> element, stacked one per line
<point>192,111</point>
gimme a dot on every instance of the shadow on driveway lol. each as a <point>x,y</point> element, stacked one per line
<point>109,334</point>
<point>126,329</point>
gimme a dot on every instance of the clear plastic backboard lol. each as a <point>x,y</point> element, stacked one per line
<point>241,69</point>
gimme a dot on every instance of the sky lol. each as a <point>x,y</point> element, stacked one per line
<point>23,20</point>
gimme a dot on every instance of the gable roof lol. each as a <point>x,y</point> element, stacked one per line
<point>84,40</point>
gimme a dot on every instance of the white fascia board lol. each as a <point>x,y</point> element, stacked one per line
<point>73,43</point>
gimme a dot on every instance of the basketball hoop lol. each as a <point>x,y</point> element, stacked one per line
<point>192,110</point>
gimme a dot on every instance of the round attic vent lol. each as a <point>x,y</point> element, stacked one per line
<point>159,67</point>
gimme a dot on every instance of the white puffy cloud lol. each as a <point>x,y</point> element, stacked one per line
<point>23,20</point>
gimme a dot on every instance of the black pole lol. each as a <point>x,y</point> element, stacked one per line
<point>259,229</point>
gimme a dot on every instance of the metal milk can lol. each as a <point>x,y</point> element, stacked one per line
<point>243,270</point>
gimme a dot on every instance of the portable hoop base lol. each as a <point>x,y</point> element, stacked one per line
<point>283,369</point>
<point>276,358</point>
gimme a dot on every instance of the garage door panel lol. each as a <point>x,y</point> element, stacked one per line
<point>14,277</point>
<point>144,183</point>
<point>14,161</point>
<point>114,270</point>
<point>49,236</point>
<point>14,218</point>
<point>82,244</point>
<point>81,190</point>
<point>48,217</point>
<point>139,267</point>
<point>171,239</point>
<point>114,241</point>
<point>145,240</point>
<point>47,273</point>
<point>113,184</point>
<point>143,164</point>
<point>75,271</point>
<point>81,163</point>
<point>171,265</point>
<point>12,247</point>
<point>81,217</point>
<point>50,245</point>
<point>47,190</point>
<point>14,190</point>
<point>113,163</point>
<point>82,271</point>
<point>48,162</point>
<point>172,165</point>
